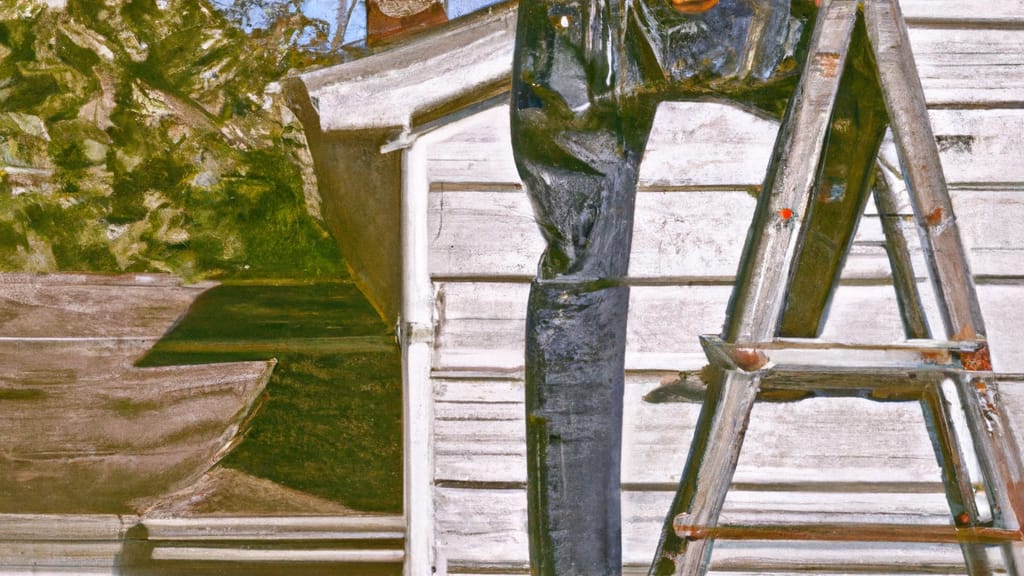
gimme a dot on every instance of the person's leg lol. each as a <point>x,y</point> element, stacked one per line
<point>575,348</point>
<point>578,153</point>
<point>574,379</point>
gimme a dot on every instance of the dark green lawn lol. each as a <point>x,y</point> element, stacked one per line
<point>331,425</point>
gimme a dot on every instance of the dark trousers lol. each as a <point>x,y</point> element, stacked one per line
<point>575,348</point>
<point>578,149</point>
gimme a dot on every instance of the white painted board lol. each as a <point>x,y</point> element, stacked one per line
<point>699,234</point>
<point>712,144</point>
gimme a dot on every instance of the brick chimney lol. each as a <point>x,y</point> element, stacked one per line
<point>390,20</point>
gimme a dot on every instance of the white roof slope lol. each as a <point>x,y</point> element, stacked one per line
<point>472,54</point>
<point>388,88</point>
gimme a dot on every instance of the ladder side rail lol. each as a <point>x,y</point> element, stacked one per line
<point>840,192</point>
<point>945,255</point>
<point>919,158</point>
<point>956,478</point>
<point>710,466</point>
<point>904,279</point>
<point>999,456</point>
<point>770,260</point>
<point>757,300</point>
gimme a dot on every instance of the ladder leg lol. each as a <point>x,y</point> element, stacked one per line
<point>759,296</point>
<point>911,126</point>
<point>709,469</point>
<point>999,456</point>
<point>840,190</point>
<point>938,413</point>
<point>904,280</point>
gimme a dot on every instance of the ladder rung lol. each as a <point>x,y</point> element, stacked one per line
<point>805,355</point>
<point>878,383</point>
<point>910,533</point>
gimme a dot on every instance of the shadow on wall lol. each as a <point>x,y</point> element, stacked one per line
<point>331,425</point>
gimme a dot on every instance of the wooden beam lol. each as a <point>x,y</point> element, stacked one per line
<point>710,466</point>
<point>852,533</point>
<point>904,98</point>
<point>766,263</point>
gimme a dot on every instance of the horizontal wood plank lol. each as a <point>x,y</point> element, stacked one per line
<point>852,532</point>
<point>64,360</point>
<point>151,429</point>
<point>699,235</point>
<point>84,306</point>
<point>47,557</point>
<point>93,527</point>
<point>969,66</point>
<point>487,527</point>
<point>707,144</point>
<point>963,13</point>
<point>890,569</point>
<point>798,444</point>
<point>108,544</point>
<point>266,529</point>
<point>482,324</point>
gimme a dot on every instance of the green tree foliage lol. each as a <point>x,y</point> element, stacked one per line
<point>138,135</point>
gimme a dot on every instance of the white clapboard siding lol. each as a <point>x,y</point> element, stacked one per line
<point>697,234</point>
<point>961,66</point>
<point>710,144</point>
<point>884,472</point>
<point>510,247</point>
<point>484,248</point>
<point>488,527</point>
<point>788,443</point>
<point>980,147</point>
<point>481,324</point>
<point>949,12</point>
<point>856,459</point>
<point>480,151</point>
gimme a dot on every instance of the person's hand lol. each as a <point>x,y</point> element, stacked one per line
<point>693,6</point>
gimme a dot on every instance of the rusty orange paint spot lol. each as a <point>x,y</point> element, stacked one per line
<point>979,360</point>
<point>827,63</point>
<point>965,333</point>
<point>962,519</point>
<point>934,217</point>
<point>785,213</point>
<point>748,359</point>
<point>693,6</point>
<point>935,357</point>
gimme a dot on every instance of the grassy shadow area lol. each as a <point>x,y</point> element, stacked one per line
<point>331,425</point>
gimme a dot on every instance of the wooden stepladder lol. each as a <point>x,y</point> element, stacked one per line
<point>859,79</point>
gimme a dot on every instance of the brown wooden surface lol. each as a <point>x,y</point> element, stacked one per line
<point>84,430</point>
<point>832,532</point>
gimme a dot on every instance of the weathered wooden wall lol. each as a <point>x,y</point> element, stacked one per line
<point>83,430</point>
<point>841,459</point>
<point>89,443</point>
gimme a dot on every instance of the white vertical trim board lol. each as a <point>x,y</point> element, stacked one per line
<point>417,342</point>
